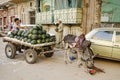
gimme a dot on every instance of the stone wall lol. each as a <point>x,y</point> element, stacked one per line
<point>68,29</point>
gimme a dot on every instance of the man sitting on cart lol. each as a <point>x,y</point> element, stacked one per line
<point>16,25</point>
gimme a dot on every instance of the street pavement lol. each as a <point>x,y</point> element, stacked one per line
<point>53,68</point>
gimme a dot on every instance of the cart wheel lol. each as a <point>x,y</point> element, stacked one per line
<point>10,50</point>
<point>30,56</point>
<point>49,54</point>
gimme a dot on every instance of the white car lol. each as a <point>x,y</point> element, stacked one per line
<point>105,42</point>
<point>28,25</point>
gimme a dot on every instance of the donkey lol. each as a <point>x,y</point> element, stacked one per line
<point>84,56</point>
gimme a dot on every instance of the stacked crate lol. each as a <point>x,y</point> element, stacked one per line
<point>44,17</point>
<point>68,16</point>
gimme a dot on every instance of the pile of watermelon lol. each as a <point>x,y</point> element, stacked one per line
<point>36,35</point>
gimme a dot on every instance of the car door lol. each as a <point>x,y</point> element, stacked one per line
<point>116,46</point>
<point>102,43</point>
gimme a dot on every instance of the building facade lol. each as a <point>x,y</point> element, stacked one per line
<point>4,13</point>
<point>77,16</point>
<point>47,13</point>
<point>25,10</point>
<point>10,9</point>
<point>68,11</point>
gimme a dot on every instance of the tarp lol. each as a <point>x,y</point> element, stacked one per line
<point>65,4</point>
<point>112,8</point>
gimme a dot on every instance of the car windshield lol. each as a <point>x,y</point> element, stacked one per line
<point>103,35</point>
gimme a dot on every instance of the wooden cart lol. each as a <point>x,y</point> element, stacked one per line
<point>31,51</point>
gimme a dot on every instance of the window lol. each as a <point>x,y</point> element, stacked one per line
<point>117,36</point>
<point>103,35</point>
<point>47,5</point>
<point>32,17</point>
<point>66,4</point>
<point>70,3</point>
<point>31,4</point>
<point>38,5</point>
<point>44,5</point>
<point>74,3</point>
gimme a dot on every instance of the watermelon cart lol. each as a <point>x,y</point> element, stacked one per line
<point>31,46</point>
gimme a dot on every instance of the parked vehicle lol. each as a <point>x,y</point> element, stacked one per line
<point>28,25</point>
<point>105,42</point>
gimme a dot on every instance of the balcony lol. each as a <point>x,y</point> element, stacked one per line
<point>68,16</point>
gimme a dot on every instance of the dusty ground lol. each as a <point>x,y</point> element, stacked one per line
<point>53,68</point>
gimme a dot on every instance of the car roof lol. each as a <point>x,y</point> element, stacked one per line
<point>111,29</point>
<point>28,25</point>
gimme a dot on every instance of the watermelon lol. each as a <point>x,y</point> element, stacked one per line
<point>43,40</point>
<point>19,32</point>
<point>30,31</point>
<point>47,35</point>
<point>11,36</point>
<point>29,36</point>
<point>26,34</point>
<point>18,37</point>
<point>39,36</point>
<point>25,39</point>
<point>43,36</point>
<point>15,36</point>
<point>34,37</point>
<point>44,31</point>
<point>29,40</point>
<point>47,40</point>
<point>38,41</point>
<point>34,31</point>
<point>21,38</point>
<point>40,32</point>
<point>33,42</point>
<point>22,34</point>
<point>14,32</point>
<point>40,27</point>
<point>35,27</point>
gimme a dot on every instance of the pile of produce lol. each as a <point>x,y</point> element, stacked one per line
<point>36,35</point>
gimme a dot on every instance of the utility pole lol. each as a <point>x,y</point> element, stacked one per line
<point>91,14</point>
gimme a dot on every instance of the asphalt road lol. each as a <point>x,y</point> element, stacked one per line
<point>53,68</point>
